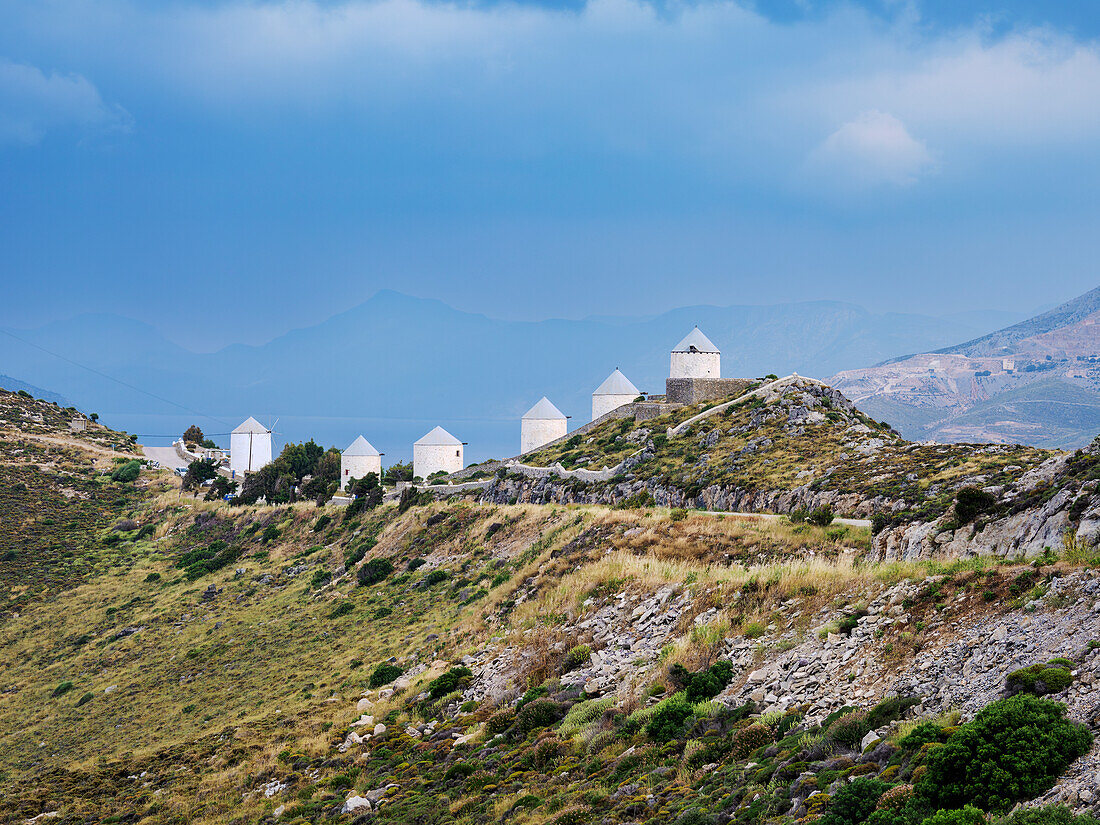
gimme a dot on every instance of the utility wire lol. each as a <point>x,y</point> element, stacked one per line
<point>112,378</point>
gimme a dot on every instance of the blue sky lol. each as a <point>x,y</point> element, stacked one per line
<point>173,160</point>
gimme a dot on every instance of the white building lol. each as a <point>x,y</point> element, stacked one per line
<point>249,447</point>
<point>612,393</point>
<point>696,357</point>
<point>540,425</point>
<point>438,450</point>
<point>359,459</point>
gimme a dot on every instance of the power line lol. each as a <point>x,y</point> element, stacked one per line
<point>116,380</point>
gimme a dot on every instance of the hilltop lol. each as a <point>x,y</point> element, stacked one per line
<point>531,664</point>
<point>1036,382</point>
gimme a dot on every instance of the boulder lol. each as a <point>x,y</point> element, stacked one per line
<point>356,803</point>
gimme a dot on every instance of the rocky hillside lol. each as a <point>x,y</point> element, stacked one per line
<point>464,662</point>
<point>1036,382</point>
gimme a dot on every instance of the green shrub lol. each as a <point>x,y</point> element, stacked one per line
<point>449,682</point>
<point>1012,751</point>
<point>849,729</point>
<point>354,555</point>
<point>321,523</point>
<point>968,815</point>
<point>821,517</point>
<point>538,714</point>
<point>1047,815</point>
<point>753,630</point>
<point>854,803</point>
<point>417,563</point>
<point>342,609</point>
<point>1053,677</point>
<point>270,534</point>
<point>693,816</point>
<point>970,502</point>
<point>751,738</point>
<point>374,571</point>
<point>320,578</point>
<point>85,699</point>
<point>667,717</point>
<point>921,735</point>
<point>499,722</point>
<point>889,710</point>
<point>435,577</point>
<point>705,684</point>
<point>679,514</point>
<point>62,689</point>
<point>577,657</point>
<point>384,674</point>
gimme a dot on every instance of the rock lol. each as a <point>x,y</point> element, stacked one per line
<point>756,676</point>
<point>379,729</point>
<point>278,812</point>
<point>870,739</point>
<point>110,688</point>
<point>356,803</point>
<point>363,705</point>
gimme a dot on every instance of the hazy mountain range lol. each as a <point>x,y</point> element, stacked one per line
<point>1034,382</point>
<point>404,358</point>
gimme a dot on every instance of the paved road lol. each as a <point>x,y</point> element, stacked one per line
<point>167,456</point>
<point>848,522</point>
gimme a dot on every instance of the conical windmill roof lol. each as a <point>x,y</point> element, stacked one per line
<point>695,341</point>
<point>361,446</point>
<point>616,384</point>
<point>544,410</point>
<point>251,425</point>
<point>437,438</point>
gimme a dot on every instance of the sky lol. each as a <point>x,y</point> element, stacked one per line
<point>229,170</point>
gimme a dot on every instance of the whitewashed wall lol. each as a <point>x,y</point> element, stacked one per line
<point>431,458</point>
<point>534,432</point>
<point>357,466</point>
<point>238,451</point>
<point>603,404</point>
<point>696,365</point>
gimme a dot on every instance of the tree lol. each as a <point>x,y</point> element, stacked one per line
<point>221,488</point>
<point>193,435</point>
<point>199,471</point>
<point>325,477</point>
<point>367,493</point>
<point>94,416</point>
<point>397,472</point>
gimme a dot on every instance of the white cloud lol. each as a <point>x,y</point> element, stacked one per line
<point>875,148</point>
<point>33,103</point>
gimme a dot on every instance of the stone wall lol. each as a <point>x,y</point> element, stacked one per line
<point>698,390</point>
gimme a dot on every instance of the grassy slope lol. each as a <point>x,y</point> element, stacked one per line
<point>189,716</point>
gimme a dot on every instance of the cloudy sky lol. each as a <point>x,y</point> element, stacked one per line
<point>174,160</point>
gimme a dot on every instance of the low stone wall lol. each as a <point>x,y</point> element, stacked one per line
<point>698,390</point>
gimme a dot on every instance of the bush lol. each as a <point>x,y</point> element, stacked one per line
<point>679,514</point>
<point>577,657</point>
<point>968,815</point>
<point>849,729</point>
<point>896,798</point>
<point>416,564</point>
<point>62,689</point>
<point>384,674</point>
<point>538,714</point>
<point>270,534</point>
<point>889,710</point>
<point>449,682</point>
<point>668,717</point>
<point>374,571</point>
<point>435,577</point>
<point>693,816</point>
<point>342,609</point>
<point>753,630</point>
<point>1012,751</point>
<point>320,578</point>
<point>85,699</point>
<point>705,684</point>
<point>1047,815</point>
<point>321,523</point>
<point>127,472</point>
<point>971,502</point>
<point>854,803</point>
<point>499,722</point>
<point>1053,677</point>
<point>751,738</point>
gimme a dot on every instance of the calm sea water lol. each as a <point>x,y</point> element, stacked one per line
<point>487,438</point>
